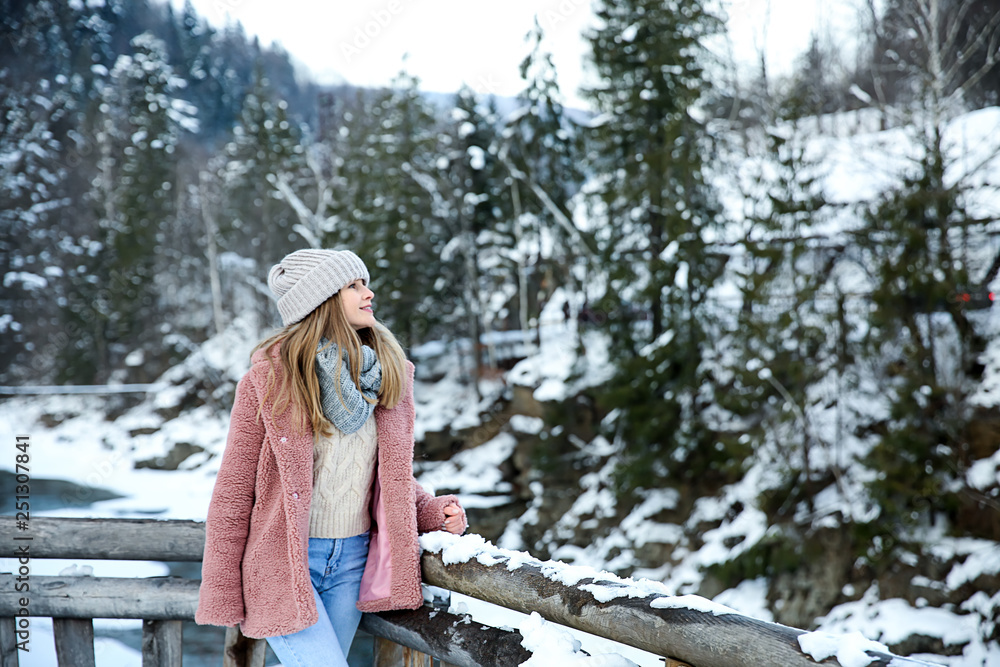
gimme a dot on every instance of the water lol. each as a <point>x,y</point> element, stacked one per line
<point>51,494</point>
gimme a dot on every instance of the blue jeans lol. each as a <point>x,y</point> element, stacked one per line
<point>335,567</point>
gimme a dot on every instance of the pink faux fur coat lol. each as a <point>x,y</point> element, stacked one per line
<point>255,570</point>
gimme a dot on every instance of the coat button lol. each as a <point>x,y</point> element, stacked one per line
<point>284,439</point>
<point>295,495</point>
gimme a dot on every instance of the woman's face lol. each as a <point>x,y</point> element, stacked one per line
<point>356,299</point>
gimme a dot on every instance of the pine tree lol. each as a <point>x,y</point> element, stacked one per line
<point>205,89</point>
<point>923,343</point>
<point>84,148</point>
<point>477,215</point>
<point>812,91</point>
<point>540,149</point>
<point>140,131</point>
<point>265,143</point>
<point>786,338</point>
<point>45,165</point>
<point>659,214</point>
<point>401,240</point>
<point>922,245</point>
<point>33,192</point>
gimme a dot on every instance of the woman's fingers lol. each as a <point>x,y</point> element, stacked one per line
<point>454,521</point>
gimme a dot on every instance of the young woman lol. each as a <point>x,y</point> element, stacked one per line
<point>315,513</point>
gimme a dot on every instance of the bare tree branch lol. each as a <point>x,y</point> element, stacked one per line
<point>314,224</point>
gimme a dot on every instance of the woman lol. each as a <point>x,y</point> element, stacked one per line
<point>315,512</point>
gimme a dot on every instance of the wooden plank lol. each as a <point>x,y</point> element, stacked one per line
<point>414,658</point>
<point>387,653</point>
<point>8,642</point>
<point>153,598</point>
<point>696,637</point>
<point>74,642</point>
<point>116,539</point>
<point>162,643</point>
<point>448,637</point>
<point>242,651</point>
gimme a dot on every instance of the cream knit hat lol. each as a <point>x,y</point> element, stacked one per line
<point>306,278</point>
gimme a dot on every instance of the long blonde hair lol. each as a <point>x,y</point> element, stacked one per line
<point>299,388</point>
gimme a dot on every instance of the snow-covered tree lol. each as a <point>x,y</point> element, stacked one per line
<point>45,96</point>
<point>402,240</point>
<point>922,243</point>
<point>478,219</point>
<point>658,216</point>
<point>540,150</point>
<point>33,197</point>
<point>265,143</point>
<point>786,337</point>
<point>924,340</point>
<point>141,122</point>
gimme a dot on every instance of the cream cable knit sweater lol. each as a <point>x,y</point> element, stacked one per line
<point>343,472</point>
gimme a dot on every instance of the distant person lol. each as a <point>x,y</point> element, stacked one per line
<point>315,512</point>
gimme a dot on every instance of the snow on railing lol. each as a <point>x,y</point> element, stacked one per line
<point>640,613</point>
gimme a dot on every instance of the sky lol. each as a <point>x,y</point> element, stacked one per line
<point>450,42</point>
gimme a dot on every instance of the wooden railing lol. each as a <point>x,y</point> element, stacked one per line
<point>401,638</point>
<point>422,638</point>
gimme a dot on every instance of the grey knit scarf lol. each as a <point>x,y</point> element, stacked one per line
<point>350,415</point>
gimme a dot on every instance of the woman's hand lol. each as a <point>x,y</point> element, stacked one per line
<point>454,519</point>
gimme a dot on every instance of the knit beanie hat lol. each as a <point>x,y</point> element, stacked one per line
<point>305,279</point>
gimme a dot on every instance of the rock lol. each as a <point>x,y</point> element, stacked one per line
<point>816,586</point>
<point>179,453</point>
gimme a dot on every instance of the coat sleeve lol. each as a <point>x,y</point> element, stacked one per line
<point>430,510</point>
<point>220,599</point>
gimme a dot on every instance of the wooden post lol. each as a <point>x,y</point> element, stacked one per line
<point>242,651</point>
<point>414,658</point>
<point>449,638</point>
<point>74,642</point>
<point>387,653</point>
<point>8,642</point>
<point>161,643</point>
